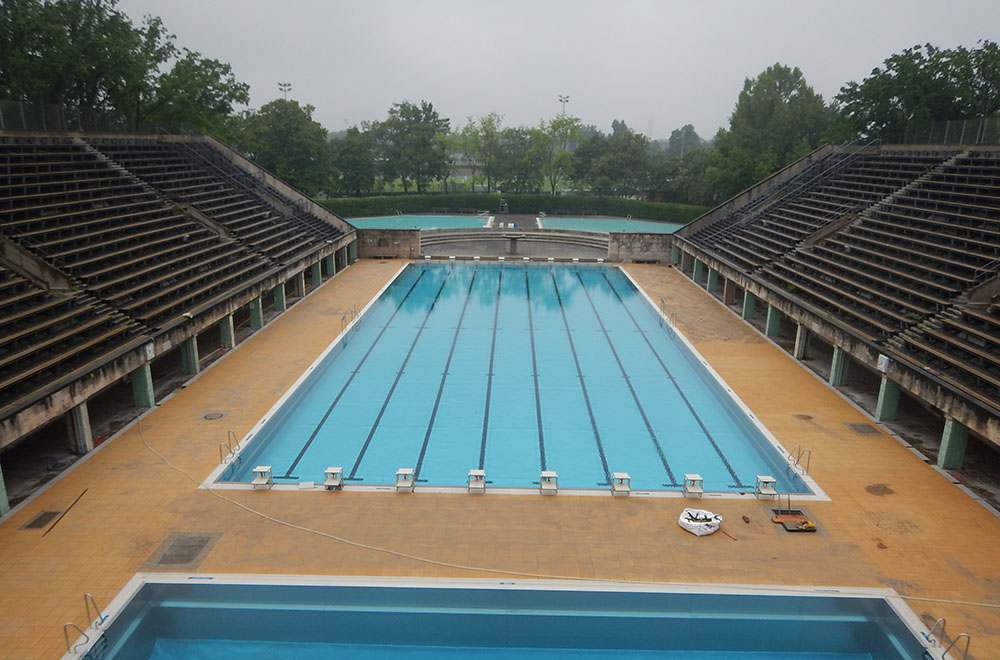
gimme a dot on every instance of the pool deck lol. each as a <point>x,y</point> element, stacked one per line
<point>893,520</point>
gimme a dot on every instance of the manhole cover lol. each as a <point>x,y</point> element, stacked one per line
<point>213,415</point>
<point>863,429</point>
<point>183,550</point>
<point>41,520</point>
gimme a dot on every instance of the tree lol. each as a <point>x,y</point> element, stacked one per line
<point>353,162</point>
<point>554,141</point>
<point>519,160</point>
<point>283,138</point>
<point>778,118</point>
<point>479,144</point>
<point>411,144</point>
<point>683,140</point>
<point>918,86</point>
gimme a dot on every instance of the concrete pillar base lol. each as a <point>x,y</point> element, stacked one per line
<point>773,323</point>
<point>315,274</point>
<point>279,298</point>
<point>839,367</point>
<point>190,360</point>
<point>142,387</point>
<point>888,400</point>
<point>299,283</point>
<point>699,271</point>
<point>729,292</point>
<point>749,305</point>
<point>675,255</point>
<point>81,436</point>
<point>352,251</point>
<point>227,333</point>
<point>713,280</point>
<point>953,441</point>
<point>801,342</point>
<point>329,266</point>
<point>256,314</point>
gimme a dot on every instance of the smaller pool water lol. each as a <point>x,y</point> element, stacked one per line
<point>419,222</point>
<point>606,225</point>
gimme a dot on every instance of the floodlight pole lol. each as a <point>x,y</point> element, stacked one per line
<point>564,99</point>
<point>284,88</point>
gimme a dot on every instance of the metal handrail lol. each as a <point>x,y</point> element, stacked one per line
<point>88,599</point>
<point>930,634</point>
<point>968,640</point>
<point>66,627</point>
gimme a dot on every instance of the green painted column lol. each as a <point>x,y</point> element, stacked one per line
<point>675,255</point>
<point>190,360</point>
<point>315,274</point>
<point>299,283</point>
<point>953,441</point>
<point>699,271</point>
<point>888,400</point>
<point>256,314</point>
<point>352,252</point>
<point>4,502</point>
<point>81,436</point>
<point>749,305</point>
<point>279,298</point>
<point>773,323</point>
<point>801,342</point>
<point>329,265</point>
<point>713,280</point>
<point>227,332</point>
<point>142,387</point>
<point>839,367</point>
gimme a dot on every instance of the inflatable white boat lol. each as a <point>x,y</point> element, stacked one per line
<point>700,522</point>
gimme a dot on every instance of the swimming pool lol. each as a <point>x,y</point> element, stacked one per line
<point>419,222</point>
<point>605,225</point>
<point>164,617</point>
<point>514,369</point>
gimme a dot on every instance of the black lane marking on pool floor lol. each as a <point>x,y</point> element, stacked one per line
<point>736,480</point>
<point>354,373</point>
<point>583,386</point>
<point>534,374</point>
<point>399,375</point>
<point>635,397</point>
<point>444,377</point>
<point>489,376</point>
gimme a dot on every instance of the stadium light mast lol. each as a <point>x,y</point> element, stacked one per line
<point>564,99</point>
<point>284,88</point>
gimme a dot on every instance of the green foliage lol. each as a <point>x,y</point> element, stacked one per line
<point>778,118</point>
<point>411,144</point>
<point>479,143</point>
<point>356,207</point>
<point>613,165</point>
<point>352,159</point>
<point>682,140</point>
<point>520,159</point>
<point>553,141</point>
<point>283,138</point>
<point>918,86</point>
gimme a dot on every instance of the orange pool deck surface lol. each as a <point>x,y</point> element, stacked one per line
<point>893,520</point>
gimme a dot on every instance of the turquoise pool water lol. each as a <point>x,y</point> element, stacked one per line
<point>605,225</point>
<point>514,369</point>
<point>202,620</point>
<point>418,222</point>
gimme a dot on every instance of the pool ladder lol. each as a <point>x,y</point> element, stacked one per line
<point>228,448</point>
<point>95,622</point>
<point>929,636</point>
<point>795,458</point>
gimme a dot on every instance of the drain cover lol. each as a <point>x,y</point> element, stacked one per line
<point>41,520</point>
<point>213,415</point>
<point>862,429</point>
<point>183,550</point>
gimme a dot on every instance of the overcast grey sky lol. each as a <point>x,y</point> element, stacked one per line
<point>656,64</point>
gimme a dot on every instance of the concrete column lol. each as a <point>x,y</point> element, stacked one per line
<point>729,292</point>
<point>315,274</point>
<point>953,441</point>
<point>675,255</point>
<point>279,298</point>
<point>227,332</point>
<point>256,314</point>
<point>888,400</point>
<point>352,252</point>
<point>713,280</point>
<point>329,265</point>
<point>81,436</point>
<point>4,502</point>
<point>749,305</point>
<point>839,366</point>
<point>189,356</point>
<point>773,323</point>
<point>801,342</point>
<point>142,387</point>
<point>299,283</point>
<point>699,271</point>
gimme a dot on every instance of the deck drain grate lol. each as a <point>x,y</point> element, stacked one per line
<point>42,520</point>
<point>862,429</point>
<point>213,415</point>
<point>183,550</point>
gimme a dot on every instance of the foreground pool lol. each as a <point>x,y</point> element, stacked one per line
<point>168,617</point>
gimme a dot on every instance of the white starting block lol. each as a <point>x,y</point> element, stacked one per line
<point>262,477</point>
<point>694,485</point>
<point>548,484</point>
<point>621,484</point>
<point>404,480</point>
<point>477,481</point>
<point>765,486</point>
<point>334,478</point>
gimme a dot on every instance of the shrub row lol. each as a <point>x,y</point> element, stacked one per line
<point>359,207</point>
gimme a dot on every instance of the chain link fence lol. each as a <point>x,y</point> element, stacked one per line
<point>982,130</point>
<point>25,116</point>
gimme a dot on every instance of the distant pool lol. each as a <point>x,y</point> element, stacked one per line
<point>419,222</point>
<point>606,225</point>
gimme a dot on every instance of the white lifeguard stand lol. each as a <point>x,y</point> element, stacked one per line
<point>333,478</point>
<point>404,480</point>
<point>765,486</point>
<point>621,484</point>
<point>694,485</point>
<point>477,481</point>
<point>548,484</point>
<point>262,477</point>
